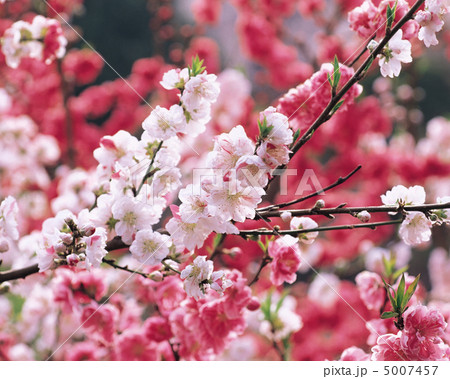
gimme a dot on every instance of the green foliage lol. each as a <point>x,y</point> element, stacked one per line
<point>390,16</point>
<point>399,299</point>
<point>335,78</point>
<point>197,67</point>
<point>264,129</point>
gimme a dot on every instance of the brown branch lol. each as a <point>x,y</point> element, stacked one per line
<point>296,232</point>
<point>335,184</point>
<point>359,74</point>
<point>112,263</point>
<point>425,208</point>
<point>265,261</point>
<point>115,244</point>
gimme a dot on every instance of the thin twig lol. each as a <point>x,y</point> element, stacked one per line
<point>425,208</point>
<point>296,232</point>
<point>112,263</point>
<point>115,244</point>
<point>335,184</point>
<point>357,76</point>
<point>148,173</point>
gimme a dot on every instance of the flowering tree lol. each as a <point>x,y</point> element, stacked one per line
<point>172,215</point>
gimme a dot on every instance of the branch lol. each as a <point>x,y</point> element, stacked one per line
<point>296,232</point>
<point>112,263</point>
<point>354,210</point>
<point>149,171</point>
<point>115,244</point>
<point>325,115</point>
<point>357,76</point>
<point>335,184</point>
<point>265,261</point>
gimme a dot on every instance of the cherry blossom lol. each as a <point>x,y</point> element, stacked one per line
<point>415,229</point>
<point>400,195</point>
<point>199,276</point>
<point>42,39</point>
<point>397,51</point>
<point>165,123</point>
<point>150,247</point>
<point>371,289</point>
<point>285,255</point>
<point>305,223</point>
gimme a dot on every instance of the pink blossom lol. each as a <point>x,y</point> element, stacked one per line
<point>165,123</point>
<point>157,329</point>
<point>354,354</point>
<point>100,321</point>
<point>396,52</point>
<point>285,255</point>
<point>305,223</point>
<point>150,247</point>
<point>229,147</point>
<point>388,348</point>
<point>415,228</point>
<point>42,40</point>
<point>132,345</point>
<point>421,337</point>
<point>371,289</point>
<point>8,219</point>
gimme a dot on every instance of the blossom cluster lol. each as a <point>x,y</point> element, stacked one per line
<point>241,269</point>
<point>42,39</point>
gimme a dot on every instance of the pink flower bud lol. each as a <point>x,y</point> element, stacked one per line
<point>60,247</point>
<point>87,230</point>
<point>319,204</point>
<point>66,238</point>
<point>73,259</point>
<point>286,216</point>
<point>254,304</point>
<point>156,276</point>
<point>363,216</point>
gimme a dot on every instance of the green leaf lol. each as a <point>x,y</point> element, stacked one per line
<point>400,290</point>
<point>329,79</point>
<point>217,240</point>
<point>336,107</point>
<point>410,291</point>
<point>265,307</point>
<point>390,16</point>
<point>280,302</point>
<point>397,273</point>
<point>386,315</point>
<point>296,134</point>
<point>261,245</point>
<point>336,72</point>
<point>391,298</point>
<point>197,67</point>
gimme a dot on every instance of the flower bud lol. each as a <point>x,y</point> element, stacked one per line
<point>156,276</point>
<point>286,216</point>
<point>73,259</point>
<point>87,230</point>
<point>60,247</point>
<point>254,304</point>
<point>372,45</point>
<point>4,246</point>
<point>319,204</point>
<point>66,238</point>
<point>363,216</point>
